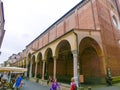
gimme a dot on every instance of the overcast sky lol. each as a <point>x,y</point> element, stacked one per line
<point>26,19</point>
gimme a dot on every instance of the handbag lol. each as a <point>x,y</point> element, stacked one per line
<point>14,85</point>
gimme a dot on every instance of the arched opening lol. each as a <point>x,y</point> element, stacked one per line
<point>33,66</point>
<point>39,66</point>
<point>64,67</point>
<point>29,58</point>
<point>21,64</point>
<point>49,63</point>
<point>24,63</point>
<point>90,62</point>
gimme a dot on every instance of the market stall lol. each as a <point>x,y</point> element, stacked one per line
<point>9,71</point>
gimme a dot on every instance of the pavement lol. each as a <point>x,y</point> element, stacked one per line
<point>102,87</point>
<point>30,85</point>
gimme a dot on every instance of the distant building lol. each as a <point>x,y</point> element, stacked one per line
<point>2,22</point>
<point>1,64</point>
<point>85,41</point>
<point>11,60</point>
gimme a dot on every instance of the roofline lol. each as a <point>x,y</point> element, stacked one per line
<point>80,3</point>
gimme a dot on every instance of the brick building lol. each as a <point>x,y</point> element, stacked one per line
<point>85,41</point>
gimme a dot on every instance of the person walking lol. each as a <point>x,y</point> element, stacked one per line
<point>73,85</point>
<point>109,77</point>
<point>55,85</point>
<point>49,80</point>
<point>18,82</point>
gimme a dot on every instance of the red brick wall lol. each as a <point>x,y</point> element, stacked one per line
<point>39,69</point>
<point>70,22</point>
<point>33,69</point>
<point>40,42</point>
<point>83,18</point>
<point>50,68</point>
<point>118,2</point>
<point>79,18</point>
<point>86,17</point>
<point>110,35</point>
<point>52,34</point>
<point>45,39</point>
<point>60,29</point>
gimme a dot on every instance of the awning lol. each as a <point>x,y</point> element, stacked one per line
<point>12,69</point>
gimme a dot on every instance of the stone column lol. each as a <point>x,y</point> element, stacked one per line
<point>30,73</point>
<point>43,70</point>
<point>54,71</point>
<point>36,69</point>
<point>75,65</point>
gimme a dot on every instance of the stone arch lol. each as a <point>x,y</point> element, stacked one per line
<point>61,44</point>
<point>87,42</point>
<point>40,65</point>
<point>49,65</point>
<point>64,67</point>
<point>90,60</point>
<point>33,65</point>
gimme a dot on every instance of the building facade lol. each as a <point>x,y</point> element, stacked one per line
<point>85,41</point>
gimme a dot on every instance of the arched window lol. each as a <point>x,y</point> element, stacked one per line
<point>115,22</point>
<point>118,41</point>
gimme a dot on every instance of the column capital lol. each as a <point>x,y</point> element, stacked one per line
<point>36,61</point>
<point>44,60</point>
<point>55,57</point>
<point>74,52</point>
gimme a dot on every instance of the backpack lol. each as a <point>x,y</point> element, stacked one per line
<point>75,86</point>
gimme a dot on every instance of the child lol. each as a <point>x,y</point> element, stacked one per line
<point>73,85</point>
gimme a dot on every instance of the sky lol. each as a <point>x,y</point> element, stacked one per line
<point>25,20</point>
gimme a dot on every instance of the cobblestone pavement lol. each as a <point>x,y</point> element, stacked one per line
<point>103,87</point>
<point>33,86</point>
<point>29,85</point>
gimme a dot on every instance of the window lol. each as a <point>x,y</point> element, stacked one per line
<point>118,41</point>
<point>115,20</point>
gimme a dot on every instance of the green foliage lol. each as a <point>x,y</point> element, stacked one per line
<point>116,79</point>
<point>39,76</point>
<point>33,74</point>
<point>64,78</point>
